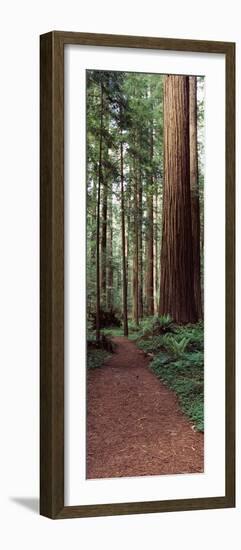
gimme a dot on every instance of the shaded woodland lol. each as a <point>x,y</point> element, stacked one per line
<point>145,150</point>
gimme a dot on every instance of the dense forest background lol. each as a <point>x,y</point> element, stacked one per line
<point>145,205</point>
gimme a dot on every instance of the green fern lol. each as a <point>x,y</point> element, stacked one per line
<point>174,346</point>
<point>154,326</point>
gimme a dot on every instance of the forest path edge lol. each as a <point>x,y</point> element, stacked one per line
<point>135,426</point>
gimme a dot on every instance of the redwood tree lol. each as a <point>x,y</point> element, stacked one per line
<point>140,259</point>
<point>103,243</point>
<point>176,284</point>
<point>124,277</point>
<point>149,244</point>
<point>135,279</point>
<point>98,215</point>
<point>195,208</point>
<point>109,297</point>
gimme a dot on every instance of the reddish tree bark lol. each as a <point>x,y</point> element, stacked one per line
<point>110,255</point>
<point>150,255</point>
<point>98,219</point>
<point>176,284</point>
<point>103,243</point>
<point>195,208</point>
<point>124,289</point>
<point>135,278</point>
<point>140,258</point>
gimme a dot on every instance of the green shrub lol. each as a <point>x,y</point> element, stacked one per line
<point>195,333</point>
<point>113,331</point>
<point>175,345</point>
<point>185,376</point>
<point>96,358</point>
<point>155,326</point>
<point>151,346</point>
<point>133,327</point>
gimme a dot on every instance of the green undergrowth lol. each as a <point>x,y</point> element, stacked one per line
<point>177,358</point>
<point>178,361</point>
<point>97,352</point>
<point>185,376</point>
<point>113,331</point>
<point>96,358</point>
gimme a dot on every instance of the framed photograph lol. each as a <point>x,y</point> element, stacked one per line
<point>137,392</point>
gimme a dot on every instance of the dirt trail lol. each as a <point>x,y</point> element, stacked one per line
<point>134,423</point>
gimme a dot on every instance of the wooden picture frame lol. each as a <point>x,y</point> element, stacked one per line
<point>52,274</point>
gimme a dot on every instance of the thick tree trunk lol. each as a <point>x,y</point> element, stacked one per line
<point>195,209</point>
<point>125,315</point>
<point>98,221</point>
<point>156,256</point>
<point>176,284</point>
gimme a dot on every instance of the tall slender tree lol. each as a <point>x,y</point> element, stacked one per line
<point>110,253</point>
<point>98,214</point>
<point>150,256</point>
<point>103,241</point>
<point>125,312</point>
<point>135,277</point>
<point>140,255</point>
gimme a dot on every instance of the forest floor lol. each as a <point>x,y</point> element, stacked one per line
<point>135,426</point>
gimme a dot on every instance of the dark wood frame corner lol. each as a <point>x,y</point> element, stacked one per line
<point>52,274</point>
